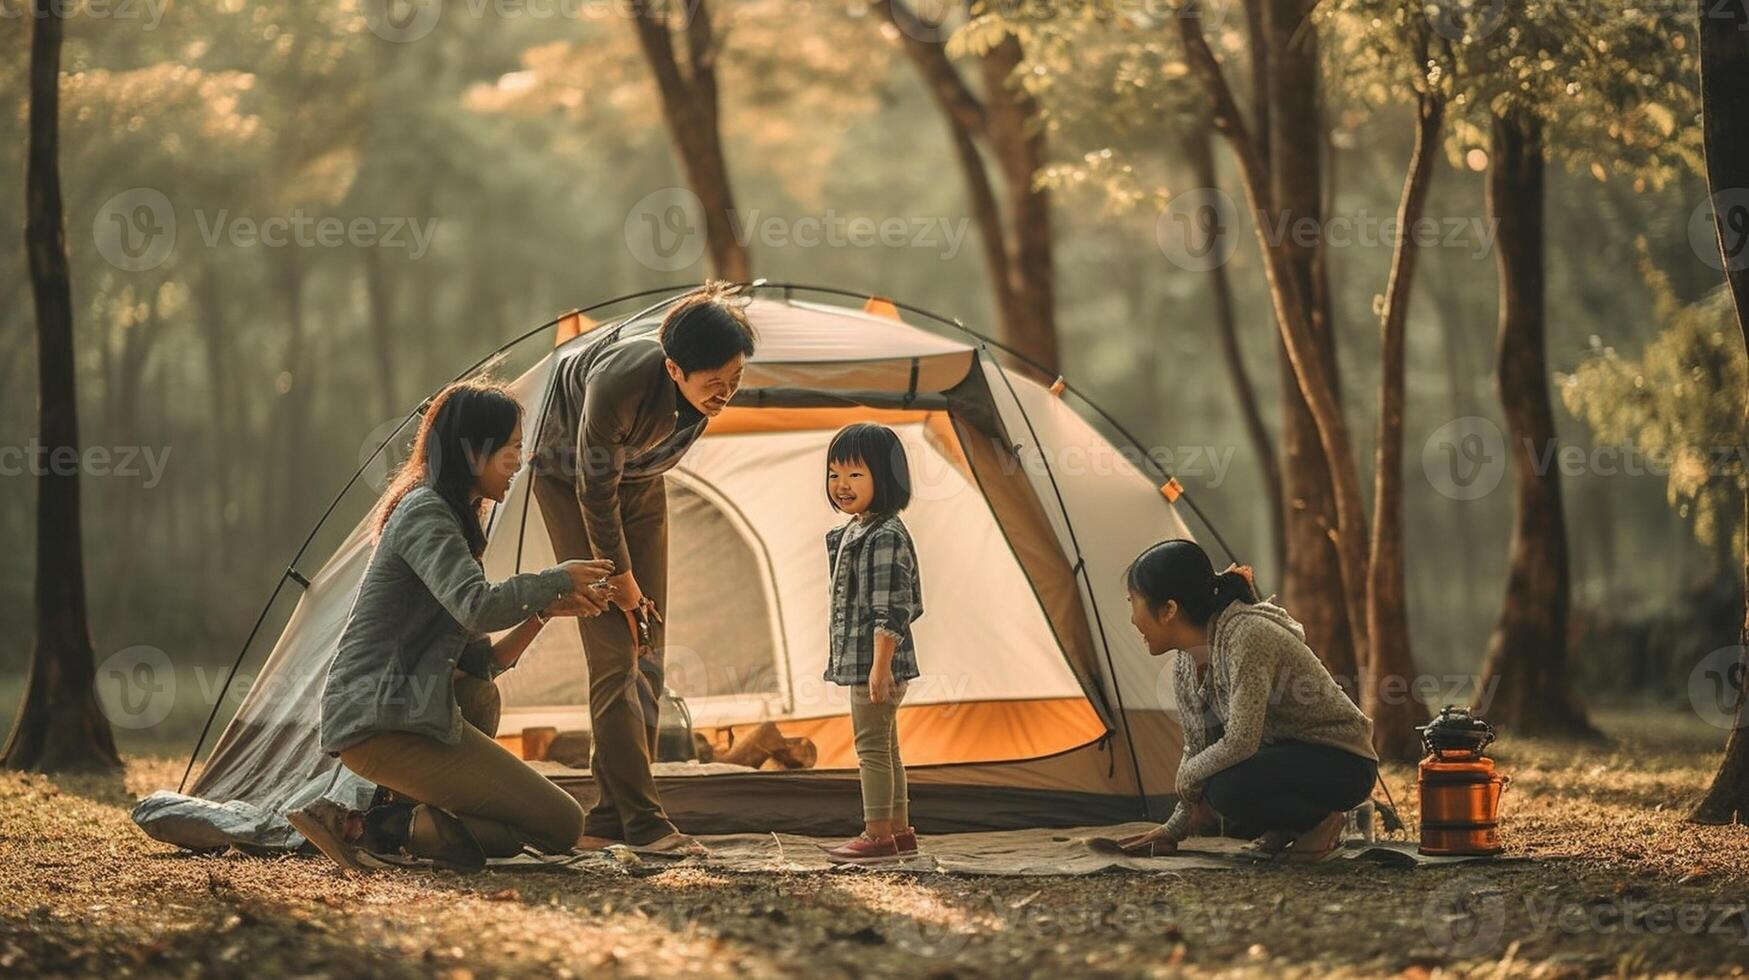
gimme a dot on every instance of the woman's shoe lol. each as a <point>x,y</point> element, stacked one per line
<point>334,830</point>
<point>865,850</point>
<point>1320,842</point>
<point>441,838</point>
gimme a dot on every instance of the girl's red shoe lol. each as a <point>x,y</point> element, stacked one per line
<point>865,850</point>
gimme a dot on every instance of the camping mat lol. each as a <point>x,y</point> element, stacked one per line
<point>1076,851</point>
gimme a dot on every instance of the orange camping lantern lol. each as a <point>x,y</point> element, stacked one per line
<point>1460,791</point>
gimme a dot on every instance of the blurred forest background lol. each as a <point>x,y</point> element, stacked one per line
<point>524,137</point>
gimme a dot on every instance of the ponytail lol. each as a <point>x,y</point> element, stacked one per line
<point>1180,571</point>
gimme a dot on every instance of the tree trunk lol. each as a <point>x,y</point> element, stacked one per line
<point>1293,150</point>
<point>1312,574</point>
<point>1311,369</point>
<point>1017,139</point>
<point>1387,691</point>
<point>690,108</point>
<point>1202,164</point>
<point>987,215</point>
<point>1724,87</point>
<point>1524,684</point>
<point>1018,246</point>
<point>1257,38</point>
<point>59,726</point>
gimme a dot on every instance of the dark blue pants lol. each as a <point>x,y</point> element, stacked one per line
<point>1290,786</point>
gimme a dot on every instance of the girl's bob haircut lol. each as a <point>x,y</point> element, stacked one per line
<point>878,448</point>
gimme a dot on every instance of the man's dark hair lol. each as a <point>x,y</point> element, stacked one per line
<point>878,448</point>
<point>706,329</point>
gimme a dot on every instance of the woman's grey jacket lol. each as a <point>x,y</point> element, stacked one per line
<point>424,604</point>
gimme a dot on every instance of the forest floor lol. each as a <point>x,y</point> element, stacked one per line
<point>83,893</point>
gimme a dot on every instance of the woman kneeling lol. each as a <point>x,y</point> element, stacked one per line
<point>422,620</point>
<point>1271,743</point>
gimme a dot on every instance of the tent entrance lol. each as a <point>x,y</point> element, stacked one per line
<point>748,602</point>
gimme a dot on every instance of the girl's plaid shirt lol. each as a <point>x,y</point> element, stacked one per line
<point>876,587</point>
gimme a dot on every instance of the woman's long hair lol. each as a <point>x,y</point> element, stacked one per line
<point>1179,570</point>
<point>462,427</point>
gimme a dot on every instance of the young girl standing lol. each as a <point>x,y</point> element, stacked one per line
<point>876,596</point>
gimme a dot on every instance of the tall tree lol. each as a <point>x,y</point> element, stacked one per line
<point>1396,712</point>
<point>691,109</point>
<point>1014,223</point>
<point>1106,87</point>
<point>1524,682</point>
<point>1545,87</point>
<point>1293,299</point>
<point>1290,145</point>
<point>60,726</point>
<point>1724,87</point>
<point>1199,152</point>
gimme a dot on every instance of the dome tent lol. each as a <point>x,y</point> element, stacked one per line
<point>1038,705</point>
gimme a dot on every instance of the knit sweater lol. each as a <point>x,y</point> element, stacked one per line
<point>1263,685</point>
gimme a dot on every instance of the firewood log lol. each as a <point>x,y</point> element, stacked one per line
<point>797,753</point>
<point>753,748</point>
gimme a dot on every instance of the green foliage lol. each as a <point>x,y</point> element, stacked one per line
<point>1678,406</point>
<point>1115,93</point>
